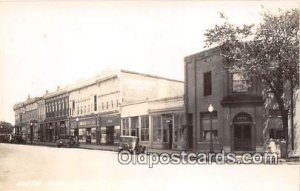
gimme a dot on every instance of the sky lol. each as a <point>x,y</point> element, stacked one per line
<point>45,44</point>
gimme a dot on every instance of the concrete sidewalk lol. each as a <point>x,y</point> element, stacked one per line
<point>113,148</point>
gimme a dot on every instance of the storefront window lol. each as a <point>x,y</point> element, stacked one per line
<point>145,128</point>
<point>207,135</point>
<point>117,133</point>
<point>156,128</point>
<point>177,126</point>
<point>125,126</point>
<point>93,135</point>
<point>205,123</point>
<point>135,126</point>
<point>82,135</point>
<point>167,127</point>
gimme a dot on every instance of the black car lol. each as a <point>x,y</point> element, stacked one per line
<point>67,141</point>
<point>131,144</point>
<point>18,139</point>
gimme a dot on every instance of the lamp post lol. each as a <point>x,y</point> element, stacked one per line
<point>211,147</point>
<point>31,132</point>
<point>77,130</point>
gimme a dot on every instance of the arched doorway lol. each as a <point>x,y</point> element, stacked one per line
<point>242,128</point>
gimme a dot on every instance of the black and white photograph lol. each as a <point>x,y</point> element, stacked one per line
<point>149,95</point>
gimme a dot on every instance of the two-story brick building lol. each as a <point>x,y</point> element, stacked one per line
<point>57,114</point>
<point>26,118</point>
<point>238,117</point>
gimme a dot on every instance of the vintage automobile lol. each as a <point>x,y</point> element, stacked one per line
<point>18,139</point>
<point>131,144</point>
<point>67,141</point>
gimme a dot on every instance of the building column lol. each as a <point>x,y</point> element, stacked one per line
<point>173,130</point>
<point>150,131</point>
<point>139,126</point>
<point>195,131</point>
<point>129,125</point>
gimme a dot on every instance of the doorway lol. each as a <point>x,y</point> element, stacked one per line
<point>110,135</point>
<point>242,132</point>
<point>242,137</point>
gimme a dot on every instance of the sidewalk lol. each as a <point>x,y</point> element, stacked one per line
<point>112,148</point>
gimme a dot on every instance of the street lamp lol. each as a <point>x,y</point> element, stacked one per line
<point>31,132</point>
<point>211,147</point>
<point>77,130</point>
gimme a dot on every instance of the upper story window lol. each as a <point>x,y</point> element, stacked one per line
<point>240,83</point>
<point>207,83</point>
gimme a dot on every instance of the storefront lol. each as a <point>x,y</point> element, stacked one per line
<point>168,130</point>
<point>110,130</point>
<point>87,127</point>
<point>54,129</point>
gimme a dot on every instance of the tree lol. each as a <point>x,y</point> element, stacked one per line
<point>5,127</point>
<point>269,50</point>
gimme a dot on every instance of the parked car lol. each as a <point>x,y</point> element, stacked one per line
<point>17,139</point>
<point>131,143</point>
<point>67,141</point>
<point>4,138</point>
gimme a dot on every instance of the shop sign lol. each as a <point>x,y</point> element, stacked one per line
<point>113,120</point>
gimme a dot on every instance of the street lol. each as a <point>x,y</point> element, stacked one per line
<point>25,167</point>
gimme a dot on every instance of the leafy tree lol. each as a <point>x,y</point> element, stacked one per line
<point>269,50</point>
<point>5,127</point>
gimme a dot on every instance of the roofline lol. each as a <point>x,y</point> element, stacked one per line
<point>151,76</point>
<point>97,79</point>
<point>152,100</point>
<point>203,53</point>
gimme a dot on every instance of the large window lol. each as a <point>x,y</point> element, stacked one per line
<point>178,130</point>
<point>205,123</point>
<point>167,125</point>
<point>207,83</point>
<point>145,128</point>
<point>156,128</point>
<point>240,83</point>
<point>134,126</point>
<point>125,126</point>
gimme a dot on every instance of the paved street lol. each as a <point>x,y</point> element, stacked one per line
<point>25,167</point>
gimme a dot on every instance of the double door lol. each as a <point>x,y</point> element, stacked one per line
<point>242,137</point>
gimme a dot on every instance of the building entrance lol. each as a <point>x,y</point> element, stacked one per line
<point>242,124</point>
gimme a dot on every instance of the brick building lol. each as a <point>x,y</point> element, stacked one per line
<point>56,121</point>
<point>241,121</point>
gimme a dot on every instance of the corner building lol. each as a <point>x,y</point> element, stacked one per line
<point>238,116</point>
